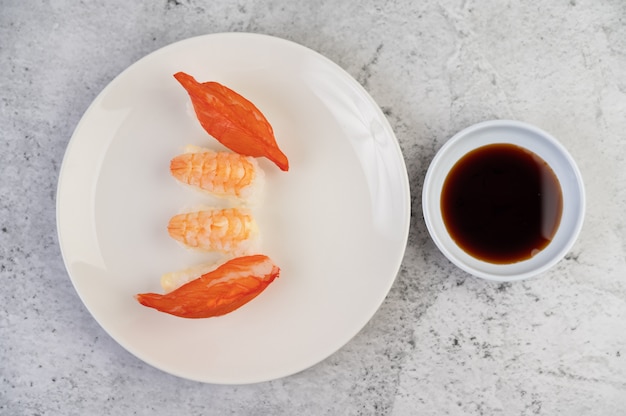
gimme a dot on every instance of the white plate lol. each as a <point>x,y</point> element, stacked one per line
<point>336,223</point>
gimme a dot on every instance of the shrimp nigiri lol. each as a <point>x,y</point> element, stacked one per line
<point>230,230</point>
<point>224,174</point>
<point>233,120</point>
<point>230,286</point>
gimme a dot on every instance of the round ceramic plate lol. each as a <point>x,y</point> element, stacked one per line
<point>336,223</point>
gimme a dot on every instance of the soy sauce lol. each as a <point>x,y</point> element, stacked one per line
<point>501,203</point>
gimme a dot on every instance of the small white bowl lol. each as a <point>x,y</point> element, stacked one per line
<point>530,138</point>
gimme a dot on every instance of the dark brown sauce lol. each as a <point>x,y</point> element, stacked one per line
<point>501,203</point>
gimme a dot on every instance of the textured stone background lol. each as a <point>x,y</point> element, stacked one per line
<point>443,342</point>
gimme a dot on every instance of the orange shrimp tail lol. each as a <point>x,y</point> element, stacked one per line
<point>218,292</point>
<point>181,168</point>
<point>233,120</point>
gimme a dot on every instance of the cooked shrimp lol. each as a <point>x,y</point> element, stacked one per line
<point>224,174</point>
<point>230,230</point>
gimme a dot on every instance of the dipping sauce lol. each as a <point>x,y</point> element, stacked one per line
<point>501,203</point>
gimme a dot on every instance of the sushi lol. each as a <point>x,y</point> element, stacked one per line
<point>231,230</point>
<point>233,120</point>
<point>230,286</point>
<point>224,174</point>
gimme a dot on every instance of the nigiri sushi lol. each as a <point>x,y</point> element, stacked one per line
<point>233,120</point>
<point>230,230</point>
<point>230,286</point>
<point>224,174</point>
